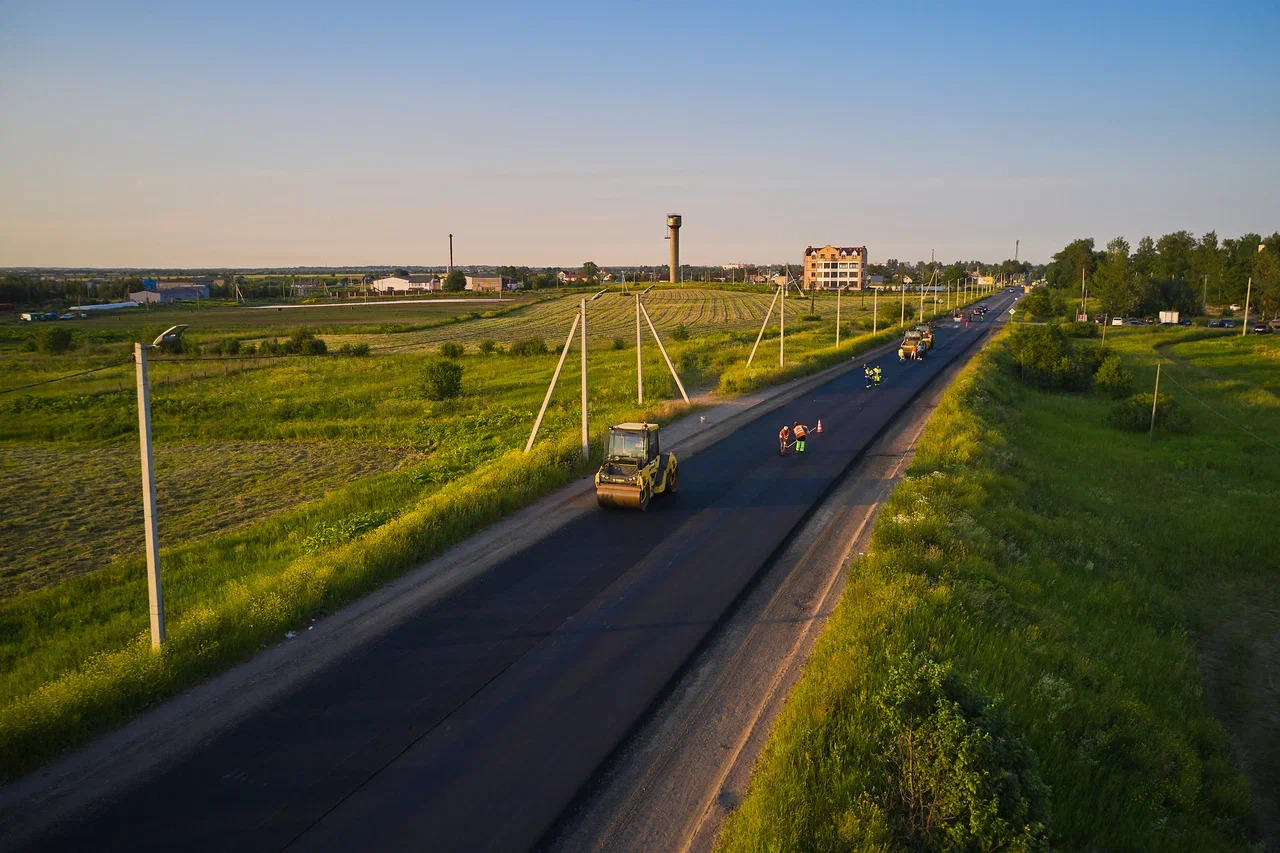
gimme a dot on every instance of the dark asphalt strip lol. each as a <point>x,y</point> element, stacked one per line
<point>473,724</point>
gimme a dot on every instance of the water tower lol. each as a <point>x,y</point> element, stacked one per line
<point>673,234</point>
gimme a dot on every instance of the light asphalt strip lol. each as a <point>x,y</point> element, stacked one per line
<point>680,774</point>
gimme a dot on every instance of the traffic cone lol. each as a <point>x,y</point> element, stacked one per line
<point>819,430</point>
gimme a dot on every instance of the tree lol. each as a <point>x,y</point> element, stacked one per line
<point>590,269</point>
<point>1115,284</point>
<point>1266,278</point>
<point>442,379</point>
<point>400,272</point>
<point>455,282</point>
<point>1174,252</point>
<point>1064,271</point>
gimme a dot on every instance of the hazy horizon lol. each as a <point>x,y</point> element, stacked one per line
<point>242,136</point>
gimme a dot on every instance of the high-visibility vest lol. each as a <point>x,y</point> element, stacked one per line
<point>800,433</point>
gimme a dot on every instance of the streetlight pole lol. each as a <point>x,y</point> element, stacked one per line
<point>155,597</point>
<point>586,446</point>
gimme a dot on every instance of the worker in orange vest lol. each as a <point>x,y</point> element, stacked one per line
<point>784,438</point>
<point>800,431</point>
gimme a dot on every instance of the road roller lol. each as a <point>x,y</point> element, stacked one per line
<point>634,468</point>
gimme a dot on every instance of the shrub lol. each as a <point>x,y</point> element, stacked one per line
<point>1134,414</point>
<point>1046,359</point>
<point>300,342</point>
<point>690,365</point>
<point>1082,329</point>
<point>1112,379</point>
<point>228,346</point>
<point>451,350</point>
<point>619,344</point>
<point>810,318</point>
<point>354,350</point>
<point>53,340</point>
<point>442,379</point>
<point>529,346</point>
<point>487,346</point>
<point>1037,303</point>
<point>957,777</point>
<point>680,333</point>
<point>312,346</point>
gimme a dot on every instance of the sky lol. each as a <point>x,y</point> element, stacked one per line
<point>277,134</point>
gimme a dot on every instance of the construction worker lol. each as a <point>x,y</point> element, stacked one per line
<point>902,354</point>
<point>784,439</point>
<point>800,431</point>
<point>866,371</point>
<point>876,375</point>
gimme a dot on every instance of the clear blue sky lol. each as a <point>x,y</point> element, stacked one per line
<point>265,133</point>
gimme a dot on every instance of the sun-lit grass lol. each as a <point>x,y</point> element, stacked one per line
<point>1083,589</point>
<point>249,550</point>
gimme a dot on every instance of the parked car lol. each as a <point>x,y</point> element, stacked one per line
<point>1117,321</point>
<point>1275,324</point>
<point>1215,324</point>
<point>1149,321</point>
<point>1134,321</point>
<point>1260,329</point>
<point>1228,324</point>
<point>1099,318</point>
<point>1185,321</point>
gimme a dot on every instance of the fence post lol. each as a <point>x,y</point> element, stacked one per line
<point>155,596</point>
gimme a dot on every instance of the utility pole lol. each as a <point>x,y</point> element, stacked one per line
<point>1204,300</point>
<point>902,321</point>
<point>155,597</point>
<point>639,360</point>
<point>875,309</point>
<point>839,290</point>
<point>450,253</point>
<point>1244,327</point>
<point>1016,244</point>
<point>586,446</point>
<point>782,320</point>
<point>1154,399</point>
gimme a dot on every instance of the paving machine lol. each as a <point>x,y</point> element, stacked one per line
<point>913,345</point>
<point>634,468</point>
<point>926,334</point>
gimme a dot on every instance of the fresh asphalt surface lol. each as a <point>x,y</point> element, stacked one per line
<point>472,725</point>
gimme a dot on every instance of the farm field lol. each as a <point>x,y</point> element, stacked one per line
<point>289,485</point>
<point>1064,636</point>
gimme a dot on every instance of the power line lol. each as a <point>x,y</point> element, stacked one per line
<point>68,376</point>
<point>1243,429</point>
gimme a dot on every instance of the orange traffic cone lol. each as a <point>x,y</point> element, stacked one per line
<point>819,425</point>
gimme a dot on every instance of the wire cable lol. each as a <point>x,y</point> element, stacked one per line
<point>1240,427</point>
<point>68,376</point>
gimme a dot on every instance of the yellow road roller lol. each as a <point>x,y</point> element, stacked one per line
<point>634,468</point>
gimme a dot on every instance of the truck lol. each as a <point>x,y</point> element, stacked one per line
<point>1168,318</point>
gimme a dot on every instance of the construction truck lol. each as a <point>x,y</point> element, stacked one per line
<point>634,468</point>
<point>926,333</point>
<point>913,345</point>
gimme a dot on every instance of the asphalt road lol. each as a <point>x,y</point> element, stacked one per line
<point>473,725</point>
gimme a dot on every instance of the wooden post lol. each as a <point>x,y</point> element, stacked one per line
<point>1154,399</point>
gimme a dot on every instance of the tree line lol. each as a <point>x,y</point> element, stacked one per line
<point>1176,272</point>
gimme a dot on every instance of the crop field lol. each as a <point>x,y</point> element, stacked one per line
<point>1064,635</point>
<point>289,484</point>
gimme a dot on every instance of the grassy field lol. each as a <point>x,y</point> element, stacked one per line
<point>291,485</point>
<point>1064,636</point>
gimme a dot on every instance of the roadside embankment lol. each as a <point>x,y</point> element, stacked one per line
<point>1044,643</point>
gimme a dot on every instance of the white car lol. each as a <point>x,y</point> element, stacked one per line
<point>1117,321</point>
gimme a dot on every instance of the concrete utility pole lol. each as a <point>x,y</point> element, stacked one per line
<point>586,445</point>
<point>639,359</point>
<point>450,253</point>
<point>875,309</point>
<point>1155,397</point>
<point>763,325</point>
<point>902,321</point>
<point>155,597</point>
<point>782,323</point>
<point>1244,327</point>
<point>839,290</point>
<point>674,221</point>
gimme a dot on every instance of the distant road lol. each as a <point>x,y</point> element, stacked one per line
<point>353,303</point>
<point>471,725</point>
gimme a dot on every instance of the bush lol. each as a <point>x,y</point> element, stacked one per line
<point>1082,329</point>
<point>1046,359</point>
<point>228,346</point>
<point>487,346</point>
<point>1112,379</point>
<point>353,350</point>
<point>442,379</point>
<point>452,350</point>
<point>529,346</point>
<point>1037,303</point>
<point>1134,414</point>
<point>957,777</point>
<point>680,333</point>
<point>53,340</point>
<point>690,365</point>
<point>619,344</point>
<point>810,318</point>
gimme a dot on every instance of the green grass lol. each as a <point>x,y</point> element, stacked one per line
<point>291,486</point>
<point>1053,625</point>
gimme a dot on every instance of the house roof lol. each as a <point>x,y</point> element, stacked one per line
<point>845,251</point>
